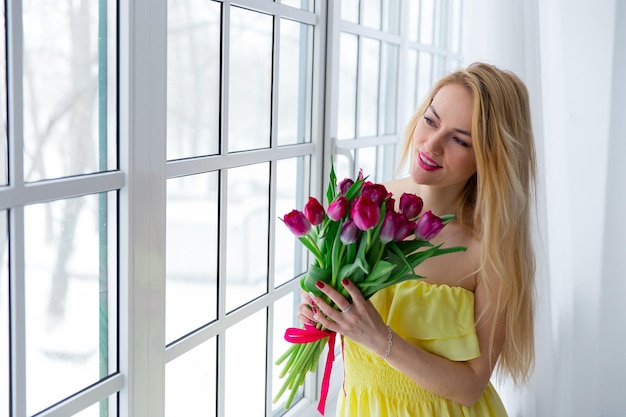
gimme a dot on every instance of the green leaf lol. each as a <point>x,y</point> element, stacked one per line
<point>314,274</point>
<point>331,193</point>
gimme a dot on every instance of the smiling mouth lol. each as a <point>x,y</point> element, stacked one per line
<point>428,162</point>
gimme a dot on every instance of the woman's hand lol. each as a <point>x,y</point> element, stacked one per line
<point>358,321</point>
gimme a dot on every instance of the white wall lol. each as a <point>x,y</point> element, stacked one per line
<point>571,54</point>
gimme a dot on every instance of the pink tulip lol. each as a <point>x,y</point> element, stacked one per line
<point>428,226</point>
<point>349,232</point>
<point>297,222</point>
<point>338,208</point>
<point>388,228</point>
<point>314,211</point>
<point>375,192</point>
<point>365,213</point>
<point>411,205</point>
<point>403,227</point>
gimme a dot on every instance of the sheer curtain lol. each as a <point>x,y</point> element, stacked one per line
<point>572,56</point>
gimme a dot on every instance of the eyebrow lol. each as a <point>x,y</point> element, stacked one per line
<point>461,131</point>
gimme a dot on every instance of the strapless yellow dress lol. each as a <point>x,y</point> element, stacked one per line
<point>437,318</point>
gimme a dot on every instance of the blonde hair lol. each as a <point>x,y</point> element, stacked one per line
<point>495,203</point>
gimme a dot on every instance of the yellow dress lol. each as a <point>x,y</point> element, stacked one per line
<point>437,318</point>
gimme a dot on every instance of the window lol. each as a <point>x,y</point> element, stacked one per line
<point>147,156</point>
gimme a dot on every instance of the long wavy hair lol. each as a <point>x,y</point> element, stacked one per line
<point>495,204</point>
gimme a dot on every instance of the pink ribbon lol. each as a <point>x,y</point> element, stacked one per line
<point>313,334</point>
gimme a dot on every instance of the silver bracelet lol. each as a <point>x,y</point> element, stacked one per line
<point>389,343</point>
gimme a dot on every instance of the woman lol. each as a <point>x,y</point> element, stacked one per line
<point>429,347</point>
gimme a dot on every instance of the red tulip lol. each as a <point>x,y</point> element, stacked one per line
<point>411,205</point>
<point>365,213</point>
<point>297,222</point>
<point>428,226</point>
<point>314,211</point>
<point>375,192</point>
<point>338,208</point>
<point>403,227</point>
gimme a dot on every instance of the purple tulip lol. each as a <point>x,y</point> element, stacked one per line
<point>314,211</point>
<point>428,226</point>
<point>388,228</point>
<point>403,227</point>
<point>338,208</point>
<point>411,205</point>
<point>375,192</point>
<point>344,185</point>
<point>297,222</point>
<point>365,213</point>
<point>349,232</point>
<point>390,204</point>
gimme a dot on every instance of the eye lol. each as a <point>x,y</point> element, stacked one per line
<point>429,121</point>
<point>460,142</point>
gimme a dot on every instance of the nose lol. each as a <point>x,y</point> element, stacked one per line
<point>434,144</point>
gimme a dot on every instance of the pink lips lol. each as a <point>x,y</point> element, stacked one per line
<point>429,165</point>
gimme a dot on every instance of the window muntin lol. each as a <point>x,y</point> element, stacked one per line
<point>69,89</point>
<point>4,312</point>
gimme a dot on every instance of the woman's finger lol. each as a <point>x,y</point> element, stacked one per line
<point>340,301</point>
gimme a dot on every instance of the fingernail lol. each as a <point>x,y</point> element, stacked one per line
<point>314,310</point>
<point>319,284</point>
<point>345,282</point>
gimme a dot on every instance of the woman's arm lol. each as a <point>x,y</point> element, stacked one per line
<point>463,382</point>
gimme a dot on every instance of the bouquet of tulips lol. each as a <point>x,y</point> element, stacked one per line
<point>362,237</point>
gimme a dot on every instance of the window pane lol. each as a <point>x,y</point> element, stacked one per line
<point>193,78</point>
<point>372,13</point>
<point>346,108</point>
<point>246,233</point>
<point>427,21</point>
<point>245,367</point>
<point>424,74</point>
<point>413,20</point>
<point>455,22</point>
<point>366,160</point>
<point>301,4</point>
<point>369,83</point>
<point>350,10</point>
<point>69,87</point>
<point>292,192</point>
<point>191,253</point>
<point>4,312</point>
<point>285,311</point>
<point>391,16</point>
<point>389,89</point>
<point>190,383</point>
<point>295,83</point>
<point>250,84</point>
<point>4,162</point>
<point>71,304</point>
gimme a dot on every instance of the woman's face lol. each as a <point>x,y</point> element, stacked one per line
<point>443,155</point>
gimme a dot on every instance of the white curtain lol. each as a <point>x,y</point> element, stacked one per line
<point>572,56</point>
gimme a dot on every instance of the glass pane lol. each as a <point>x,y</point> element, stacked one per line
<point>191,383</point>
<point>247,234</point>
<point>193,78</point>
<point>191,253</point>
<point>369,83</point>
<point>391,16</point>
<point>366,160</point>
<point>350,10</point>
<point>245,367</point>
<point>71,301</point>
<point>292,192</point>
<point>427,21</point>
<point>250,84</point>
<point>413,20</point>
<point>456,21</point>
<point>301,4</point>
<point>410,86</point>
<point>424,74</point>
<point>4,157</point>
<point>295,83</point>
<point>346,109</point>
<point>69,88</point>
<point>389,88</point>
<point>372,13</point>
<point>4,312</point>
<point>285,311</point>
